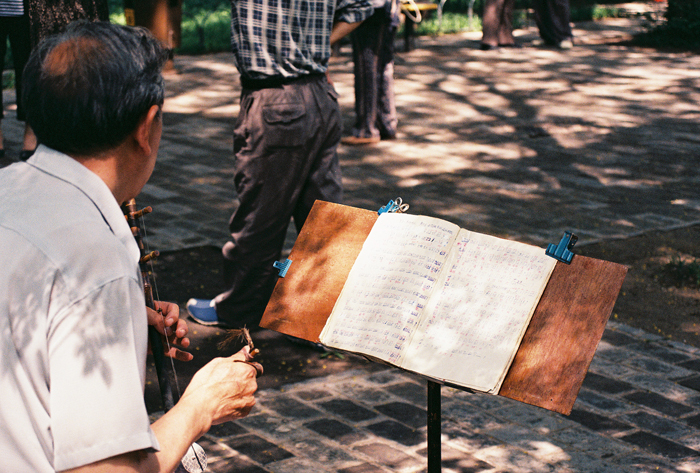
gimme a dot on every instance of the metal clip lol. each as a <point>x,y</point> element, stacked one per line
<point>396,206</point>
<point>561,252</point>
<point>282,266</point>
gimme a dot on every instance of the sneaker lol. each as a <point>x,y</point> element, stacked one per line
<point>203,311</point>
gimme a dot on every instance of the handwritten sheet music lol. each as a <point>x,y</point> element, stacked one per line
<point>478,315</point>
<point>389,285</point>
<point>431,298</point>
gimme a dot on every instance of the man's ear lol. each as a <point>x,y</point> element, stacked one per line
<point>145,129</point>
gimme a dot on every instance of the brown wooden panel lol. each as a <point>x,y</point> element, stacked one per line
<point>562,337</point>
<point>322,257</point>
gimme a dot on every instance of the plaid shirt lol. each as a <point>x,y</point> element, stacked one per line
<point>288,38</point>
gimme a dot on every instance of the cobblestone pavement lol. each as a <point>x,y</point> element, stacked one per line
<point>601,140</point>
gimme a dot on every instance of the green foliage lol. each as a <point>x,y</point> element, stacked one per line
<point>205,31</point>
<point>683,272</point>
<point>594,12</point>
<point>451,23</point>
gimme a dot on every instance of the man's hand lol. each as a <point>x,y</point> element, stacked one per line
<point>168,323</point>
<point>224,387</point>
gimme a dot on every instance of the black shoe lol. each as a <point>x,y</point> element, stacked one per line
<point>488,47</point>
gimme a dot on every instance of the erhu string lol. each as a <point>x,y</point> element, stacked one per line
<point>157,298</point>
<point>154,283</point>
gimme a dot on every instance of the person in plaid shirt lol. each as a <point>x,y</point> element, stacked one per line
<point>285,141</point>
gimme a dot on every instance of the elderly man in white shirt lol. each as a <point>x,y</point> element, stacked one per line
<point>72,310</point>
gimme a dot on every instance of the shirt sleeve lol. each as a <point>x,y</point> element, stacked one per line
<point>97,354</point>
<point>353,11</point>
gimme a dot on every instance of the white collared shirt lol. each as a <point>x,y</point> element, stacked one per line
<point>73,320</point>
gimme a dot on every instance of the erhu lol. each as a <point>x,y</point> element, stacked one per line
<point>195,459</point>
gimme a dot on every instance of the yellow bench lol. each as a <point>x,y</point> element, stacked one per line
<point>410,12</point>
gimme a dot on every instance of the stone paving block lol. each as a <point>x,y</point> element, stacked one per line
<point>659,425</point>
<point>580,462</point>
<point>640,463</point>
<point>362,468</point>
<point>364,393</point>
<point>511,459</point>
<point>258,449</point>
<point>235,464</point>
<point>335,430</point>
<point>659,446</point>
<point>692,382</point>
<point>348,409</point>
<point>693,364</point>
<point>613,353</point>
<point>465,438</point>
<point>599,423</point>
<point>389,456</point>
<point>295,465</point>
<point>693,421</point>
<point>534,418</point>
<point>227,429</point>
<point>673,390</point>
<point>602,403</point>
<point>413,392</point>
<point>458,461</point>
<point>272,425</point>
<point>475,417</point>
<point>317,448</point>
<point>664,353</point>
<point>608,385</point>
<point>658,403</point>
<point>611,369</point>
<point>637,333</point>
<point>405,413</point>
<point>653,366</point>
<point>313,394</point>
<point>291,408</point>
<point>397,432</point>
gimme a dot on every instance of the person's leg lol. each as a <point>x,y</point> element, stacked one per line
<point>490,22</point>
<point>274,144</point>
<point>560,21</point>
<point>365,44</point>
<point>387,119</point>
<point>505,28</point>
<point>552,19</point>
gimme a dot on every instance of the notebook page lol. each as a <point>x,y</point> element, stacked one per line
<point>480,310</point>
<point>389,285</point>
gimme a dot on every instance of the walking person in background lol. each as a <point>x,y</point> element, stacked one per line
<point>497,25</point>
<point>373,57</point>
<point>14,25</point>
<point>553,19</point>
<point>285,141</point>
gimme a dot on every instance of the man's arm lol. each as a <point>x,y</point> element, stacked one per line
<point>219,392</point>
<point>342,29</point>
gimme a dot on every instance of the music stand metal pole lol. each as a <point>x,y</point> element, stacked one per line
<point>434,428</point>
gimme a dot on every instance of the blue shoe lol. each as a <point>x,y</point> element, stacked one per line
<point>203,311</point>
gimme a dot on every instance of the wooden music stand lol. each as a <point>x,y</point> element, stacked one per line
<point>553,357</point>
